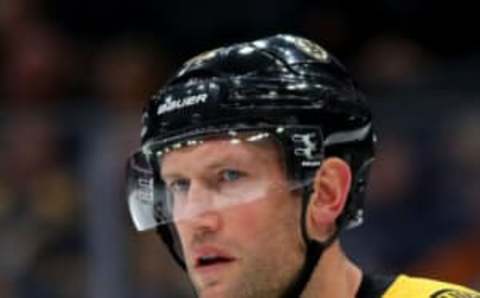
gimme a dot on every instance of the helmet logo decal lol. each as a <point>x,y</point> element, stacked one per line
<point>306,147</point>
<point>308,47</point>
<point>450,293</point>
<point>172,105</point>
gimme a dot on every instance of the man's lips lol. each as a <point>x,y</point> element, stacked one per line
<point>207,256</point>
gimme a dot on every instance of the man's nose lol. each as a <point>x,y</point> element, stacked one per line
<point>205,216</point>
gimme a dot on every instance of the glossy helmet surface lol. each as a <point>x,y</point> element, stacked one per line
<point>282,82</point>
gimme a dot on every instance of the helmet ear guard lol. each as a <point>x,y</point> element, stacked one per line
<point>352,215</point>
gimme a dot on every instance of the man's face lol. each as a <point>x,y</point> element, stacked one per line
<point>248,249</point>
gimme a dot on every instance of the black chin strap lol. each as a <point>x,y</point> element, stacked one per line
<point>313,254</point>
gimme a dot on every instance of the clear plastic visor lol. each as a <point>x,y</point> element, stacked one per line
<point>180,181</point>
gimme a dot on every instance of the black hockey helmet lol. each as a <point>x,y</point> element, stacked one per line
<point>286,86</point>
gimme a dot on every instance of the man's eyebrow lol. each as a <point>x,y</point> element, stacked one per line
<point>220,162</point>
<point>170,175</point>
<point>229,158</point>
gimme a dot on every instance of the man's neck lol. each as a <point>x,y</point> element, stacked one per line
<point>335,276</point>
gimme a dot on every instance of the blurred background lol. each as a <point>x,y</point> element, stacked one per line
<point>75,74</point>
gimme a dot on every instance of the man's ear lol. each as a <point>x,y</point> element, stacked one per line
<point>330,191</point>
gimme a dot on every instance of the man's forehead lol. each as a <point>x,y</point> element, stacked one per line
<point>218,151</point>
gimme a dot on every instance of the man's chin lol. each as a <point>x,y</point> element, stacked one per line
<point>215,281</point>
<point>214,290</point>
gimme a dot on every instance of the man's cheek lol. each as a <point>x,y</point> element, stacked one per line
<point>244,226</point>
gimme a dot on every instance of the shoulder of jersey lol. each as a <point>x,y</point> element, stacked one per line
<point>414,287</point>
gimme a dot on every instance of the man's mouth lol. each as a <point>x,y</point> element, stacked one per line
<point>210,257</point>
<point>210,260</point>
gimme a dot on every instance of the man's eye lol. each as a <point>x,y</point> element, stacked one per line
<point>179,186</point>
<point>231,175</point>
